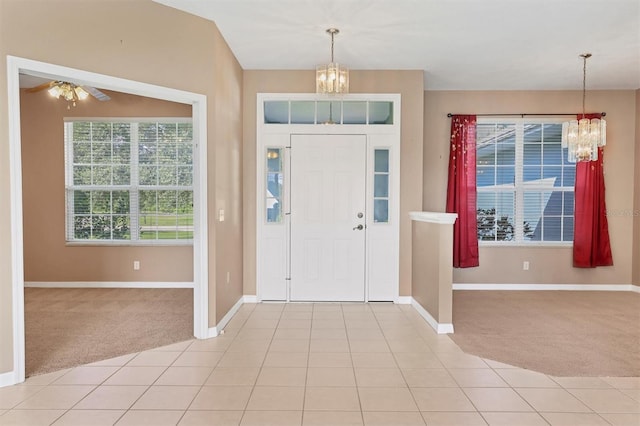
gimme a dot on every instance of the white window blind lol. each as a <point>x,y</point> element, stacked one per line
<point>129,180</point>
<point>525,185</point>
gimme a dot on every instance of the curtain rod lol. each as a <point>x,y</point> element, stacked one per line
<point>519,115</point>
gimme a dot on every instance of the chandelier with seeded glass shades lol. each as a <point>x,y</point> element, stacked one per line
<point>583,138</point>
<point>332,78</point>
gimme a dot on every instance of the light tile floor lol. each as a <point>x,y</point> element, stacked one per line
<point>317,364</point>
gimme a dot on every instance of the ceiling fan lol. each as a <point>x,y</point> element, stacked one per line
<point>71,92</point>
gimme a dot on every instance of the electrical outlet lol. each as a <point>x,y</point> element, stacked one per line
<point>525,265</point>
<point>136,265</point>
<point>228,277</point>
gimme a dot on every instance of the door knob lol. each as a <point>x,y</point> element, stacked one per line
<point>359,228</point>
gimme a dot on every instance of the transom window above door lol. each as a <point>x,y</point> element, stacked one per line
<point>328,112</point>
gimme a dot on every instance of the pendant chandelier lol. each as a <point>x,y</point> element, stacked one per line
<point>584,137</point>
<point>332,78</point>
<point>69,91</point>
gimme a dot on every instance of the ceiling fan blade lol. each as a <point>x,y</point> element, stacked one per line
<point>96,93</point>
<point>39,87</point>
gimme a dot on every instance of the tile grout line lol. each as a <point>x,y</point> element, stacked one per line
<point>422,415</point>
<point>255,383</point>
<point>353,367</point>
<point>306,376</point>
<point>201,386</point>
<point>211,373</point>
<point>93,390</point>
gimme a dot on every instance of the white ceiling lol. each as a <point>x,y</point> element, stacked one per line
<point>460,44</point>
<point>28,81</point>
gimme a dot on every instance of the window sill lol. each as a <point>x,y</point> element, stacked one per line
<point>537,244</point>
<point>154,243</point>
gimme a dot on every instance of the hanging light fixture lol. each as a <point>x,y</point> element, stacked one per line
<point>584,137</point>
<point>332,78</point>
<point>69,91</point>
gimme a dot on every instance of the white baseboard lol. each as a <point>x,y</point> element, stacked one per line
<point>107,284</point>
<point>635,289</point>
<point>219,328</point>
<point>403,300</point>
<point>440,328</point>
<point>247,298</point>
<point>8,379</point>
<point>548,287</point>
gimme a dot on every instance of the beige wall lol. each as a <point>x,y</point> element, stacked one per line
<point>409,84</point>
<point>227,132</point>
<point>636,198</point>
<point>147,42</point>
<point>432,258</point>
<point>46,256</point>
<point>547,265</point>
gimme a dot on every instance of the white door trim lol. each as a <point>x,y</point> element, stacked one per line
<point>382,256</point>
<point>15,66</point>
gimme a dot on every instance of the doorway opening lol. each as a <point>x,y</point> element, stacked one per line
<point>328,179</point>
<point>17,66</point>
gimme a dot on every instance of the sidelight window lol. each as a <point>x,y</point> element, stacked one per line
<point>275,183</point>
<point>381,186</point>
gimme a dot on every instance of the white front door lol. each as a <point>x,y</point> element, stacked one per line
<point>328,193</point>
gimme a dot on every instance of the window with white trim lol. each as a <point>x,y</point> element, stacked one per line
<point>525,185</point>
<point>129,181</point>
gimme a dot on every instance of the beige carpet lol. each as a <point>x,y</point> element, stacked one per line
<point>561,333</point>
<point>68,327</point>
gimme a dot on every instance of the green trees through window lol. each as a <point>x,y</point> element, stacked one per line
<point>129,181</point>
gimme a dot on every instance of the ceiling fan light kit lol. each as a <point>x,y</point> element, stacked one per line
<point>69,91</point>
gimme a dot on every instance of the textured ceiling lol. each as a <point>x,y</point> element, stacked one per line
<point>460,44</point>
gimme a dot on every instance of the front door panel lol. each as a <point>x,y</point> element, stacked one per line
<point>328,217</point>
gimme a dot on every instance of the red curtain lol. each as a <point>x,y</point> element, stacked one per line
<point>591,246</point>
<point>461,190</point>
